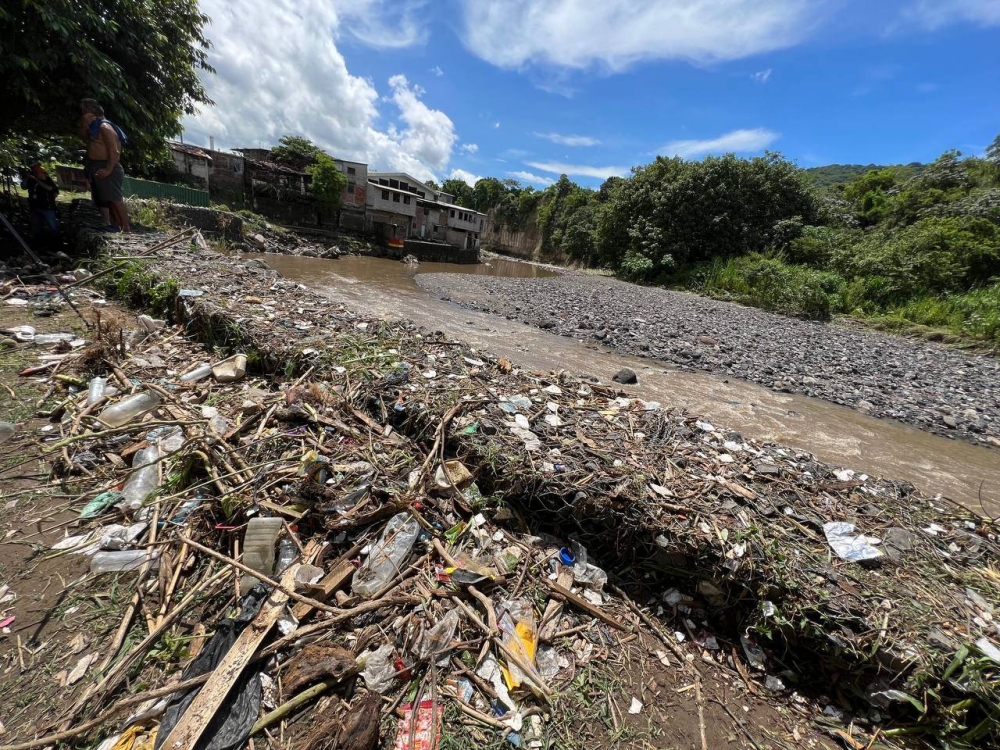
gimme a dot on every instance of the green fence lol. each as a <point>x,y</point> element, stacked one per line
<point>147,189</point>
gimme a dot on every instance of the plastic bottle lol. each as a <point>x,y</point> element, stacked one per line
<point>95,392</point>
<point>150,324</point>
<point>143,480</point>
<point>6,431</point>
<point>129,559</point>
<point>258,548</point>
<point>287,552</point>
<point>200,372</point>
<point>388,555</point>
<point>129,408</point>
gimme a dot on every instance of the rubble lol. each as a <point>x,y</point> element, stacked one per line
<point>368,512</point>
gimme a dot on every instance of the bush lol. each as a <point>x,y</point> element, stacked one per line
<point>773,285</point>
<point>975,314</point>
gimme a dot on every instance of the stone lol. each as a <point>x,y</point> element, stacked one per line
<point>866,406</point>
<point>231,369</point>
<point>625,376</point>
<point>601,334</point>
<point>949,421</point>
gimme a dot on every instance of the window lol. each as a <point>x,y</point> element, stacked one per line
<point>480,225</point>
<point>406,200</point>
<point>385,195</point>
<point>394,183</point>
<point>395,197</point>
<point>404,186</point>
<point>451,213</point>
<point>351,171</point>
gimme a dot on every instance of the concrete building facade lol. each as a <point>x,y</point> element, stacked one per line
<point>192,162</point>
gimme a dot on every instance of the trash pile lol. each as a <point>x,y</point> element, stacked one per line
<point>363,487</point>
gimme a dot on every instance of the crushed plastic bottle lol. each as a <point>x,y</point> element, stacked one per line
<point>586,573</point>
<point>122,560</point>
<point>129,408</point>
<point>7,430</point>
<point>95,391</point>
<point>143,480</point>
<point>287,552</point>
<point>258,548</point>
<point>387,556</point>
<point>200,372</point>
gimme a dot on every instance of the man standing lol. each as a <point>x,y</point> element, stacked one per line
<point>42,192</point>
<point>102,164</point>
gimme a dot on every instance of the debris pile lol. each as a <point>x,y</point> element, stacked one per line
<point>357,507</point>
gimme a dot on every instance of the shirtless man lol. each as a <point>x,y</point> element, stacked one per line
<point>102,165</point>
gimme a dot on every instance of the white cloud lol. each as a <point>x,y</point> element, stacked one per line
<point>579,170</point>
<point>761,76</point>
<point>469,148</point>
<point>387,24</point>
<point>436,70</point>
<point>934,14</point>
<point>293,79</point>
<point>617,33</point>
<point>496,125</point>
<point>535,179</point>
<point>568,140</point>
<point>738,141</point>
<point>467,177</point>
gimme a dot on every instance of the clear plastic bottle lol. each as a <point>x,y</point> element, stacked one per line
<point>129,408</point>
<point>7,431</point>
<point>121,560</point>
<point>143,480</point>
<point>258,548</point>
<point>200,372</point>
<point>287,552</point>
<point>95,391</point>
<point>387,556</point>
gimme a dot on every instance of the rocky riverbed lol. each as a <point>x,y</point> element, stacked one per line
<point>936,388</point>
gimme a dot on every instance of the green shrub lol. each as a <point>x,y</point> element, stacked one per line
<point>975,314</point>
<point>773,285</point>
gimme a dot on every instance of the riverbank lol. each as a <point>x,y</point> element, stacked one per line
<point>942,390</point>
<point>696,523</point>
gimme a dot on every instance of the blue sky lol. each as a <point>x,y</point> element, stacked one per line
<point>532,88</point>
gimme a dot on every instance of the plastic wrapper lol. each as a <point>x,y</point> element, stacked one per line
<point>380,669</point>
<point>258,548</point>
<point>519,631</point>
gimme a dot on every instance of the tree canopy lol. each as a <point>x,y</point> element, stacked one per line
<point>140,60</point>
<point>295,151</point>
<point>328,182</point>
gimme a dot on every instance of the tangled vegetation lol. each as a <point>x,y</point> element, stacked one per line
<point>915,247</point>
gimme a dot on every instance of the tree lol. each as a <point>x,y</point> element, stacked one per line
<point>993,151</point>
<point>461,190</point>
<point>328,182</point>
<point>296,152</point>
<point>140,60</point>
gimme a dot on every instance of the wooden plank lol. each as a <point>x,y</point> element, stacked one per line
<point>337,577</point>
<point>586,606</point>
<point>192,724</point>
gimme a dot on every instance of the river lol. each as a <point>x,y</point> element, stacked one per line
<point>837,435</point>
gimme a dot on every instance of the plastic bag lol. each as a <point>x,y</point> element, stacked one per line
<point>380,670</point>
<point>231,725</point>
<point>519,631</point>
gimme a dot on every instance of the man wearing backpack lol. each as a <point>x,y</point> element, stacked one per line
<point>103,166</point>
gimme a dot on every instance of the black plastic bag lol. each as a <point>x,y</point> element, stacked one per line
<point>231,725</point>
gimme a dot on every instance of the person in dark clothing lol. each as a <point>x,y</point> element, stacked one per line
<point>42,192</point>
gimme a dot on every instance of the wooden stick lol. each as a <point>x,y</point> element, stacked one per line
<point>189,728</point>
<point>586,606</point>
<point>342,570</point>
<point>292,704</point>
<point>289,590</point>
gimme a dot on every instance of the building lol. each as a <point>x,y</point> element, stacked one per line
<point>354,200</point>
<point>402,207</point>
<point>226,178</point>
<point>192,162</point>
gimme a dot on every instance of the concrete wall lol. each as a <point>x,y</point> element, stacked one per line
<point>196,167</point>
<point>434,252</point>
<point>209,220</point>
<point>226,182</point>
<point>394,204</point>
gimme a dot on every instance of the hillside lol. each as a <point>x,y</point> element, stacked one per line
<point>840,174</point>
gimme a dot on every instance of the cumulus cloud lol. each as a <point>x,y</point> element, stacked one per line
<point>579,170</point>
<point>388,24</point>
<point>614,34</point>
<point>535,179</point>
<point>761,76</point>
<point>737,141</point>
<point>469,148</point>
<point>934,14</point>
<point>568,140</point>
<point>293,79</point>
<point>467,177</point>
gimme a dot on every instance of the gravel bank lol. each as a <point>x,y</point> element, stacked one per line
<point>938,389</point>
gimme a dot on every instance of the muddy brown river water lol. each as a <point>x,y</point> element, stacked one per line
<point>837,435</point>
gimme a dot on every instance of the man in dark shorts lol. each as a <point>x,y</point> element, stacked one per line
<point>102,165</point>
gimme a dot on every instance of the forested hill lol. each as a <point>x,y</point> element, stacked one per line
<point>841,174</point>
